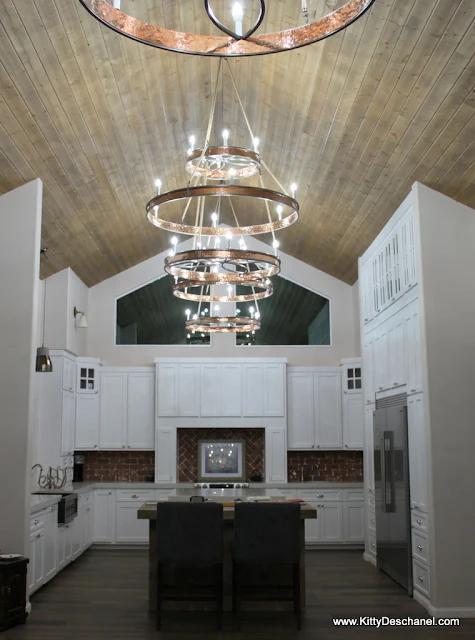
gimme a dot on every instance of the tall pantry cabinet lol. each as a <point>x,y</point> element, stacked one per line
<point>418,338</point>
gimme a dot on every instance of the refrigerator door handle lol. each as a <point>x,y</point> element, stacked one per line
<point>383,471</point>
<point>389,480</point>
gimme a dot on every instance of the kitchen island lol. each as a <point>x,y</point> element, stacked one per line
<point>148,511</point>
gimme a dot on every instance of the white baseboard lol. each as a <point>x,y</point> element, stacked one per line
<point>370,557</point>
<point>28,607</point>
<point>443,612</point>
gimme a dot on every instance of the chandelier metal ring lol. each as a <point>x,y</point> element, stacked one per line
<point>261,290</point>
<point>223,324</point>
<point>184,265</point>
<point>223,163</point>
<point>223,191</point>
<point>225,46</point>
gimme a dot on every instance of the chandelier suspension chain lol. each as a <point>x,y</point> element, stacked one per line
<point>284,190</point>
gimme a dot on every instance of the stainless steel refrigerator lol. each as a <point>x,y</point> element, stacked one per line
<point>392,491</point>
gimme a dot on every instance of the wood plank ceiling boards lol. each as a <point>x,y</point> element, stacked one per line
<point>353,120</point>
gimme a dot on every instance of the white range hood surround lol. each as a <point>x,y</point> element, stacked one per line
<point>214,393</point>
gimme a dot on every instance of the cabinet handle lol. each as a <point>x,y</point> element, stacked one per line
<point>413,391</point>
<point>318,446</point>
<point>346,446</point>
<point>372,501</point>
<point>419,546</point>
<point>110,493</point>
<point>373,545</point>
<point>372,520</point>
<point>36,522</point>
<point>95,446</point>
<point>134,496</point>
<point>395,384</point>
<point>171,477</point>
<point>87,499</point>
<point>319,495</point>
<point>123,446</point>
<point>38,535</point>
<point>380,388</point>
<point>419,521</point>
<point>421,578</point>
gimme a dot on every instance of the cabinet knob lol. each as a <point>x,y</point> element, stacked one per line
<point>135,496</point>
<point>380,388</point>
<point>36,522</point>
<point>95,446</point>
<point>171,477</point>
<point>373,545</point>
<point>421,578</point>
<point>372,520</point>
<point>419,546</point>
<point>123,446</point>
<point>395,384</point>
<point>346,446</point>
<point>319,495</point>
<point>110,493</point>
<point>270,477</point>
<point>38,535</point>
<point>322,506</point>
<point>413,391</point>
<point>419,521</point>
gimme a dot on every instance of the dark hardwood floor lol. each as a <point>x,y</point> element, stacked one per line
<point>103,596</point>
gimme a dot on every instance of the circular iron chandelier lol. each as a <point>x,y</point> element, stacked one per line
<point>223,324</point>
<point>231,43</point>
<point>223,163</point>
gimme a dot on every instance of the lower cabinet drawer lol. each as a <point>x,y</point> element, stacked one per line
<point>420,578</point>
<point>316,496</point>
<point>419,521</point>
<point>354,495</point>
<point>138,495</point>
<point>420,546</point>
<point>37,521</point>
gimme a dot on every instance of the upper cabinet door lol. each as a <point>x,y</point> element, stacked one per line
<point>231,391</point>
<point>87,422</point>
<point>87,378</point>
<point>395,363</point>
<point>253,390</point>
<point>69,375</point>
<point>167,390</point>
<point>353,421</point>
<point>328,423</point>
<point>276,455</point>
<point>274,390</point>
<point>407,245</point>
<point>68,423</point>
<point>113,411</point>
<point>140,411</point>
<point>368,359</point>
<point>413,350</point>
<point>211,395</point>
<point>166,454</point>
<point>301,420</point>
<point>189,390</point>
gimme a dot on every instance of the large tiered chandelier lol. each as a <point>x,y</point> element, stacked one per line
<point>220,268</point>
<point>233,42</point>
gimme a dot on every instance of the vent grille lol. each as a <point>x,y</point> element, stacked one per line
<point>399,400</point>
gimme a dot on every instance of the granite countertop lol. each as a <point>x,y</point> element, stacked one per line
<point>82,487</point>
<point>38,503</point>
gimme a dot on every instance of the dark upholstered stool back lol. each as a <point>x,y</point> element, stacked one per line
<point>189,532</point>
<point>267,533</point>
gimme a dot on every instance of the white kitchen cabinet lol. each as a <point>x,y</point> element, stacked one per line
<point>368,357</point>
<point>68,423</point>
<point>61,548</point>
<point>417,452</point>
<point>104,516</point>
<point>331,525</point>
<point>396,351</point>
<point>140,411</point>
<point>129,529</point>
<point>353,521</point>
<point>231,390</point>
<point>50,543</point>
<point>313,526</point>
<point>274,390</point>
<point>413,350</point>
<point>252,390</point>
<point>88,505</point>
<point>68,553</point>
<point>36,571</point>
<point>368,458</point>
<point>87,375</point>
<point>353,420</point>
<point>301,417</point>
<point>77,527</point>
<point>69,375</point>
<point>275,454</point>
<point>381,358</point>
<point>210,395</point>
<point>87,422</point>
<point>113,411</point>
<point>166,454</point>
<point>167,390</point>
<point>328,419</point>
<point>189,390</point>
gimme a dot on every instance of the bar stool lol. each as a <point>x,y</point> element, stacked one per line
<point>190,534</point>
<point>266,534</point>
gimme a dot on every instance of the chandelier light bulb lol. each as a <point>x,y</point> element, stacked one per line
<point>187,312</point>
<point>225,137</point>
<point>188,336</point>
<point>242,244</point>
<point>192,141</point>
<point>293,189</point>
<point>158,184</point>
<point>214,218</point>
<point>238,15</point>
<point>229,237</point>
<point>195,316</point>
<point>216,307</point>
<point>256,142</point>
<point>257,315</point>
<point>275,244</point>
<point>238,311</point>
<point>202,313</point>
<point>174,241</point>
<point>279,211</point>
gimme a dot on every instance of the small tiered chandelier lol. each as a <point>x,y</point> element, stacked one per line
<point>233,43</point>
<point>209,273</point>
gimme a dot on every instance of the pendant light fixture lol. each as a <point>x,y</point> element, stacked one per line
<point>43,361</point>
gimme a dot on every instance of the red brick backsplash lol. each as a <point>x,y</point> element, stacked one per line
<point>188,449</point>
<point>118,466</point>
<point>326,466</point>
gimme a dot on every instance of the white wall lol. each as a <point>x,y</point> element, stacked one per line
<point>64,291</point>
<point>20,233</point>
<point>101,318</point>
<point>448,267</point>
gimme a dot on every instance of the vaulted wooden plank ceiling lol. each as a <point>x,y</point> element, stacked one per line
<point>354,120</point>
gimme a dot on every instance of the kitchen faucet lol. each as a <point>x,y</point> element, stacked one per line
<point>54,479</point>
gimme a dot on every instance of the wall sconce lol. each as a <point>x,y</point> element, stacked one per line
<point>82,322</point>
<point>43,361</point>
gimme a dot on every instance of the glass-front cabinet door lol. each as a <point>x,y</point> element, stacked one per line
<point>87,378</point>
<point>353,379</point>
